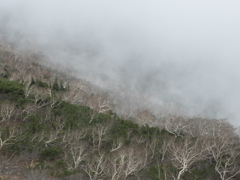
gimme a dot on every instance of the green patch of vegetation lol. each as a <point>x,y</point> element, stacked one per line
<point>75,115</point>
<point>59,86</point>
<point>11,87</point>
<point>40,83</point>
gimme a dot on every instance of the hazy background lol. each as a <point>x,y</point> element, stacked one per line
<point>175,52</point>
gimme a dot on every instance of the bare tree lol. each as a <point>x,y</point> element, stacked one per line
<point>133,162</point>
<point>117,144</point>
<point>46,116</point>
<point>7,134</point>
<point>145,117</point>
<point>224,148</point>
<point>99,133</point>
<point>150,150</point>
<point>28,90</point>
<point>28,110</point>
<point>125,162</point>
<point>74,96</point>
<point>7,111</point>
<point>185,153</point>
<point>115,166</point>
<point>52,135</point>
<point>75,149</point>
<point>75,153</point>
<point>55,98</point>
<point>96,166</point>
<point>103,104</point>
<point>99,103</point>
<point>175,125</point>
<point>164,146</point>
<point>40,99</point>
<point>93,114</point>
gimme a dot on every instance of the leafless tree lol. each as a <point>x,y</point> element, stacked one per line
<point>145,117</point>
<point>74,148</point>
<point>117,144</point>
<point>164,146</point>
<point>115,166</point>
<point>28,90</point>
<point>47,116</point>
<point>99,133</point>
<point>186,152</point>
<point>28,110</point>
<point>51,136</point>
<point>224,148</point>
<point>103,104</point>
<point>125,162</point>
<point>93,114</point>
<point>133,161</point>
<point>7,134</point>
<point>74,96</point>
<point>150,150</point>
<point>75,153</point>
<point>175,125</point>
<point>96,166</point>
<point>55,98</point>
<point>7,111</point>
<point>99,103</point>
<point>40,99</point>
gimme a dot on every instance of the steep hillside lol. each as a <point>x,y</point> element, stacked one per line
<point>55,126</point>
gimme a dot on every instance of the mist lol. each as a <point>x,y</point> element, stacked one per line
<point>181,52</point>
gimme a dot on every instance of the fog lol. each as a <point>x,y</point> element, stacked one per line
<point>183,52</point>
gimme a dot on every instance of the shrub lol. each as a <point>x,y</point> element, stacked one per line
<point>11,87</point>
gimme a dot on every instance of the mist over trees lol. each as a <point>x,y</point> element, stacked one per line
<point>119,90</point>
<point>180,55</point>
<point>54,125</point>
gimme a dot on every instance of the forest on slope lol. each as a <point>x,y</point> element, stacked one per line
<point>56,126</point>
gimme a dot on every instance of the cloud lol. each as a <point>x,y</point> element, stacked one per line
<point>186,52</point>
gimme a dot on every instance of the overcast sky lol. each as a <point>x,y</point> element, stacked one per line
<point>177,50</point>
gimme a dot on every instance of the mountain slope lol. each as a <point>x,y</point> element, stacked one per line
<point>53,125</point>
